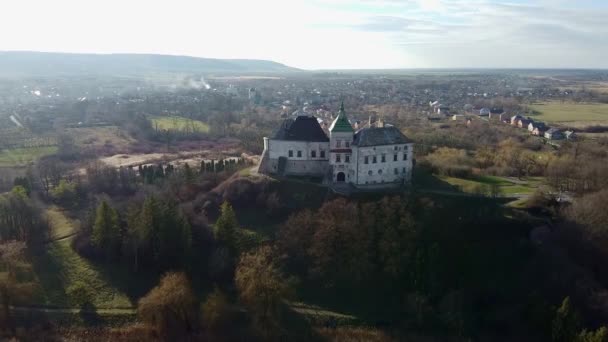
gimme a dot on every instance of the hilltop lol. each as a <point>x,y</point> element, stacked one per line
<point>25,63</point>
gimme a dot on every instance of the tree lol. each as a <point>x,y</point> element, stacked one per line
<point>600,335</point>
<point>262,288</point>
<point>106,230</point>
<point>226,228</point>
<point>215,310</point>
<point>566,323</point>
<point>13,287</point>
<point>170,307</point>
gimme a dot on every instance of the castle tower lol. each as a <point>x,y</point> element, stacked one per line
<point>341,135</point>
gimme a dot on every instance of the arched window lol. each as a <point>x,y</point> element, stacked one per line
<point>379,172</point>
<point>369,172</point>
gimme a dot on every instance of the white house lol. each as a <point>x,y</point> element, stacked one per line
<point>374,156</point>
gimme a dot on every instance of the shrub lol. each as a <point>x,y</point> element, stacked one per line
<point>170,307</point>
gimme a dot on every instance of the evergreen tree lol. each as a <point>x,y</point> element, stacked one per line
<point>106,230</point>
<point>566,323</point>
<point>188,174</point>
<point>226,228</point>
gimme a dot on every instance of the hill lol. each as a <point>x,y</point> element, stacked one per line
<point>24,63</point>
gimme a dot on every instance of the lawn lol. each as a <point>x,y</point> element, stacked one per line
<point>67,280</point>
<point>102,136</point>
<point>62,225</point>
<point>555,111</point>
<point>23,156</point>
<point>178,123</point>
<point>483,184</point>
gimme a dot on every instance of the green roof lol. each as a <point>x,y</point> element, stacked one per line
<point>341,123</point>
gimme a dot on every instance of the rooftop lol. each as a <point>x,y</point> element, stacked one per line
<point>341,123</point>
<point>301,128</point>
<point>373,136</point>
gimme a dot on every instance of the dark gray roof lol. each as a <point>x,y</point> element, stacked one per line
<point>374,136</point>
<point>301,128</point>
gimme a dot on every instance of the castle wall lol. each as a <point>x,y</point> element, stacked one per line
<point>298,164</point>
<point>317,168</point>
<point>389,171</point>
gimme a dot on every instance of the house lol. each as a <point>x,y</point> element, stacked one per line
<point>554,134</point>
<point>484,112</point>
<point>496,111</point>
<point>376,155</point>
<point>523,123</point>
<point>537,128</point>
<point>570,135</point>
<point>458,117</point>
<point>515,119</point>
<point>443,110</point>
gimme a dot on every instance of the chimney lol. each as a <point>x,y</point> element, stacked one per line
<point>380,123</point>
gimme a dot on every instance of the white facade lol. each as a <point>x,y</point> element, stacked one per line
<point>376,165</point>
<point>372,157</point>
<point>341,157</point>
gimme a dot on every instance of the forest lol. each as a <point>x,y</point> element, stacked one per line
<point>500,236</point>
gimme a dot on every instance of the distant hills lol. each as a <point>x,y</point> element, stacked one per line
<point>23,63</point>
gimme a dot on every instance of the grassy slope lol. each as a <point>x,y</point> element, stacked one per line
<point>506,186</point>
<point>61,269</point>
<point>24,156</point>
<point>555,111</point>
<point>178,123</point>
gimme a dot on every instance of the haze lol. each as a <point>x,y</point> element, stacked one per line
<point>335,34</point>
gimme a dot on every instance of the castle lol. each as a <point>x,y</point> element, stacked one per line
<point>376,155</point>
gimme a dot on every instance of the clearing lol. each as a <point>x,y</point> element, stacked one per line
<point>101,138</point>
<point>506,186</point>
<point>24,155</point>
<point>583,114</point>
<point>178,123</point>
<point>69,281</point>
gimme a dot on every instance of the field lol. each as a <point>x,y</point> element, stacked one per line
<point>67,281</point>
<point>23,156</point>
<point>571,113</point>
<point>506,186</point>
<point>178,123</point>
<point>104,137</point>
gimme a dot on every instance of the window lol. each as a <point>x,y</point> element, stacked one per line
<point>374,161</point>
<point>322,154</point>
<point>299,154</point>
<point>396,147</point>
<point>384,158</point>
<point>379,172</point>
<point>347,158</point>
<point>338,158</point>
<point>404,156</point>
<point>395,157</point>
<point>369,173</point>
<point>338,143</point>
<point>347,143</point>
<point>396,171</point>
<point>404,170</point>
<point>366,160</point>
<point>290,153</point>
<point>313,154</point>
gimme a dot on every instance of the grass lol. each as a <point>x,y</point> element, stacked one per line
<point>69,281</point>
<point>555,111</point>
<point>97,137</point>
<point>178,123</point>
<point>506,186</point>
<point>23,156</point>
<point>63,227</point>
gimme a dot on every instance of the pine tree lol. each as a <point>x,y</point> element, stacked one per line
<point>106,230</point>
<point>226,228</point>
<point>566,322</point>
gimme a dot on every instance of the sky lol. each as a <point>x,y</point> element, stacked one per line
<point>322,34</point>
